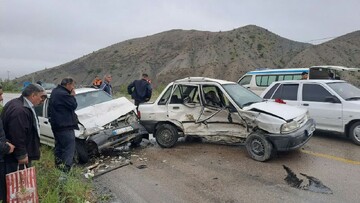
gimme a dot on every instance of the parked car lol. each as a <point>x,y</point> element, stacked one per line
<point>104,123</point>
<point>225,112</point>
<point>334,104</point>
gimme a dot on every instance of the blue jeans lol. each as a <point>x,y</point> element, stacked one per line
<point>64,149</point>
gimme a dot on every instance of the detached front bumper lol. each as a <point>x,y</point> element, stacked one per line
<point>111,138</point>
<point>294,140</point>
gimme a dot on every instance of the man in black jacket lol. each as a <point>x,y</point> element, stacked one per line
<point>5,148</point>
<point>140,90</point>
<point>21,127</point>
<point>63,121</point>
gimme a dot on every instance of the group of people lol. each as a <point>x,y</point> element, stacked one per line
<point>20,130</point>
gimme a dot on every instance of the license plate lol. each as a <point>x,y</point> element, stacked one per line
<point>122,130</point>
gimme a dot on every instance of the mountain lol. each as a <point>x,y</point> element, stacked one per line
<point>226,55</point>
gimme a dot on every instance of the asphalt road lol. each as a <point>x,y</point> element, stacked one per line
<point>204,172</point>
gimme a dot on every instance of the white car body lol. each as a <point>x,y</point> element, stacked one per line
<point>335,106</point>
<point>183,105</point>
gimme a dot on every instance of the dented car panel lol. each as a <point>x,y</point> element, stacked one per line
<point>103,122</point>
<point>223,111</point>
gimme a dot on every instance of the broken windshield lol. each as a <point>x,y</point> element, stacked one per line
<point>241,95</point>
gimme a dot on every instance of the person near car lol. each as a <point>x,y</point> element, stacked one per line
<point>106,86</point>
<point>21,127</point>
<point>304,76</point>
<point>64,121</point>
<point>97,82</point>
<point>140,90</point>
<point>5,148</point>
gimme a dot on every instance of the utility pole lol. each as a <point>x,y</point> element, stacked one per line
<point>8,72</point>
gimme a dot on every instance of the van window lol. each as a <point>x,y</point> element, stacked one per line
<point>314,92</point>
<point>245,80</point>
<point>287,92</point>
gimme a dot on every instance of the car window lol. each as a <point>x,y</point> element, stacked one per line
<point>213,96</point>
<point>345,90</point>
<point>181,92</point>
<point>241,96</point>
<point>245,80</point>
<point>271,91</point>
<point>91,98</point>
<point>166,96</point>
<point>314,92</point>
<point>39,109</point>
<point>286,92</point>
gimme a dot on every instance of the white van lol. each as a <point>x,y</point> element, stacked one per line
<point>257,81</point>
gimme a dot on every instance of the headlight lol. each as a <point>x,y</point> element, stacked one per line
<point>289,127</point>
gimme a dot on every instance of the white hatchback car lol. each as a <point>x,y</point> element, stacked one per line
<point>334,104</point>
<point>225,112</point>
<point>104,123</point>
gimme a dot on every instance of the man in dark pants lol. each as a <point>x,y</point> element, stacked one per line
<point>140,90</point>
<point>5,148</point>
<point>63,121</point>
<point>21,127</point>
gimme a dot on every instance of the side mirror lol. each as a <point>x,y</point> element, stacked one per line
<point>332,99</point>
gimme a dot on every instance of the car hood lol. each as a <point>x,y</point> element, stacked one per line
<point>101,114</point>
<point>283,111</point>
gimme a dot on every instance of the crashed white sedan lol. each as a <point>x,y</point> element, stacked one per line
<point>104,123</point>
<point>225,112</point>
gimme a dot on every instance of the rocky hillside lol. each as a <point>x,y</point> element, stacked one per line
<point>181,53</point>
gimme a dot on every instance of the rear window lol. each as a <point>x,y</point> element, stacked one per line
<point>287,92</point>
<point>314,92</point>
<point>271,91</point>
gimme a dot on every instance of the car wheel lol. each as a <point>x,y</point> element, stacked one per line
<point>355,132</point>
<point>258,147</point>
<point>166,136</point>
<point>81,153</point>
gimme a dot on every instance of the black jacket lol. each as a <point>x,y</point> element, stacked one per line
<point>4,148</point>
<point>20,129</point>
<point>61,110</point>
<point>140,90</point>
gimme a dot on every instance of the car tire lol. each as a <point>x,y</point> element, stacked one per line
<point>166,136</point>
<point>258,147</point>
<point>81,155</point>
<point>354,132</point>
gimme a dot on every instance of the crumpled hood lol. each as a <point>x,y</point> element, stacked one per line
<point>101,114</point>
<point>283,111</point>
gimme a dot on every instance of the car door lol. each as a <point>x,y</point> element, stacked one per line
<point>184,106</point>
<point>221,119</point>
<point>46,134</point>
<point>327,114</point>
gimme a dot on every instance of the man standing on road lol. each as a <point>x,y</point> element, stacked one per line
<point>5,148</point>
<point>63,121</point>
<point>140,90</point>
<point>21,127</point>
<point>106,86</point>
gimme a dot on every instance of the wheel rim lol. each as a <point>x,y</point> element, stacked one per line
<point>357,133</point>
<point>165,136</point>
<point>257,147</point>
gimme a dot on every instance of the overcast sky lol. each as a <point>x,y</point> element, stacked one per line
<point>42,34</point>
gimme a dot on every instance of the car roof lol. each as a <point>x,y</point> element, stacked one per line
<point>202,79</point>
<point>311,81</point>
<point>79,90</point>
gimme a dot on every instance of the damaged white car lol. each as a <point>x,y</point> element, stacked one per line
<point>104,123</point>
<point>225,112</point>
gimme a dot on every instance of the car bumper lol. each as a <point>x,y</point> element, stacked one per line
<point>111,138</point>
<point>293,140</point>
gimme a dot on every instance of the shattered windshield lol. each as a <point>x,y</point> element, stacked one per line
<point>241,95</point>
<point>345,90</point>
<point>91,98</point>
